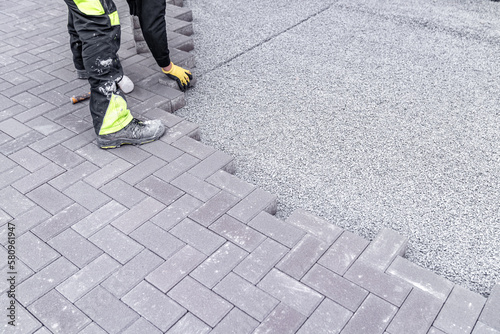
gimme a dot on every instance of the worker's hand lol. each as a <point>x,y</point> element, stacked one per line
<point>134,7</point>
<point>180,75</point>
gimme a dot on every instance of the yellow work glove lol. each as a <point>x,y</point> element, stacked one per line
<point>180,75</point>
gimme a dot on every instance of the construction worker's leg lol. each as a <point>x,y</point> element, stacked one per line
<point>76,48</point>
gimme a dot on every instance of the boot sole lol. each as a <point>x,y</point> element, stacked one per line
<point>126,141</point>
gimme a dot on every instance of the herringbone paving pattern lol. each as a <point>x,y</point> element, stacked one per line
<point>163,238</point>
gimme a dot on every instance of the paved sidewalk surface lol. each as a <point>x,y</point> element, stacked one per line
<point>163,238</point>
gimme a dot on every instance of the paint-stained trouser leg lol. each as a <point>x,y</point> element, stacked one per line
<point>75,43</point>
<point>96,23</point>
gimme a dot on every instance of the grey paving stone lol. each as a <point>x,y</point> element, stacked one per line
<point>43,330</point>
<point>189,324</point>
<point>218,265</point>
<point>181,129</point>
<point>142,326</point>
<point>373,316</point>
<point>34,252</point>
<point>25,323</point>
<point>316,226</point>
<point>250,206</point>
<point>195,187</point>
<point>6,163</point>
<point>163,150</point>
<point>491,312</point>
<point>176,167</point>
<point>63,157</point>
<point>239,233</point>
<point>12,175</point>
<point>421,278</point>
<point>75,248</point>
<point>59,222</point>
<point>13,202</point>
<point>217,161</point>
<point>481,328</point>
<point>106,310</point>
<point>387,287</point>
<point>99,218</point>
<point>344,251</point>
<point>460,311</point>
<point>302,257</point>
<point>197,236</point>
<point>22,270</point>
<point>43,125</point>
<point>45,280</point>
<point>214,208</point>
<point>57,313</point>
<point>123,193</point>
<point>87,278</point>
<point>417,313</point>
<point>92,153</point>
<point>160,190</point>
<point>157,240</point>
<point>231,184</point>
<point>154,305</point>
<point>434,330</point>
<point>52,140</point>
<point>132,273</point>
<point>200,301</point>
<point>261,261</point>
<point>33,113</point>
<point>132,154</point>
<point>50,198</point>
<point>246,296</point>
<point>176,212</point>
<point>19,142</point>
<point>193,147</point>
<point>335,287</point>
<point>86,195</point>
<point>120,246</point>
<point>291,292</point>
<point>277,229</point>
<point>107,173</point>
<point>329,318</point>
<point>24,222</point>
<point>236,322</point>
<point>138,215</point>
<point>283,320</point>
<point>142,170</point>
<point>178,266</point>
<point>386,246</point>
<point>13,127</point>
<point>29,159</point>
<point>73,175</point>
<point>80,141</point>
<point>93,328</point>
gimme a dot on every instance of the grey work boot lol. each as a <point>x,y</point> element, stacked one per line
<point>137,132</point>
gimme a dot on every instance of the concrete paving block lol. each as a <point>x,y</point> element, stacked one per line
<point>460,311</point>
<point>417,313</point>
<point>491,312</point>
<point>283,319</point>
<point>238,233</point>
<point>302,257</point>
<point>13,202</point>
<point>291,292</point>
<point>123,193</point>
<point>135,156</point>
<point>25,322</point>
<point>335,287</point>
<point>36,112</point>
<point>194,147</point>
<point>138,215</point>
<point>29,159</point>
<point>179,13</point>
<point>218,265</point>
<point>236,322</point>
<point>183,59</point>
<point>64,157</point>
<point>98,219</point>
<point>92,153</point>
<point>259,200</point>
<point>6,163</point>
<point>255,266</point>
<point>163,150</point>
<point>44,126</point>
<point>45,280</point>
<point>34,252</point>
<point>59,222</point>
<point>373,316</point>
<point>118,245</point>
<point>181,129</point>
<point>132,273</point>
<point>386,246</point>
<point>18,143</point>
<point>344,251</point>
<point>52,140</point>
<point>434,330</point>
<point>57,313</point>
<point>87,278</point>
<point>160,190</point>
<point>142,326</point>
<point>246,296</point>
<point>106,310</point>
<point>142,170</point>
<point>73,175</point>
<point>231,184</point>
<point>38,178</point>
<point>93,328</point>
<point>202,302</point>
<point>157,240</point>
<point>24,222</point>
<point>189,324</point>
<point>12,175</point>
<point>86,195</point>
<point>176,268</point>
<point>328,318</point>
<point>109,172</point>
<point>75,248</point>
<point>154,306</point>
<point>387,287</point>
<point>481,328</point>
<point>176,167</point>
<point>13,127</point>
<point>315,226</point>
<point>197,236</point>
<point>421,278</point>
<point>80,140</point>
<point>42,330</point>
<point>214,208</point>
<point>196,187</point>
<point>176,212</point>
<point>50,198</point>
<point>215,162</point>
<point>276,229</point>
